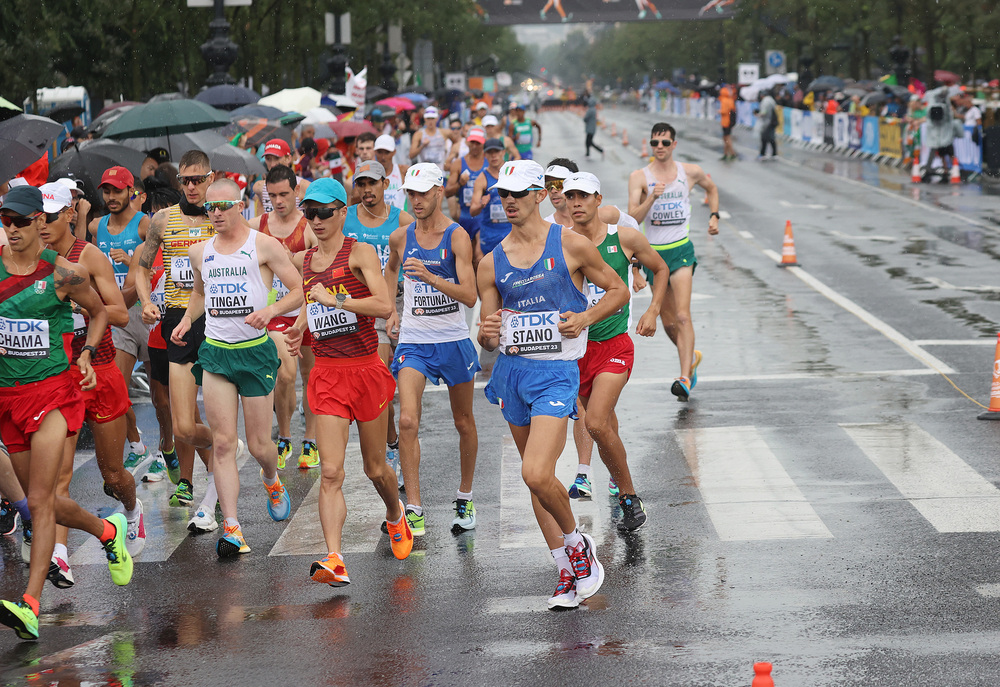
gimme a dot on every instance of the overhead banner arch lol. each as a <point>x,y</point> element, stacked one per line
<point>507,12</point>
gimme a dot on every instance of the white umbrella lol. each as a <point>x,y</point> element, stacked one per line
<point>319,115</point>
<point>293,99</point>
<point>343,101</point>
<point>753,91</point>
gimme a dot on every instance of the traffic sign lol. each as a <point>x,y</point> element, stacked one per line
<point>775,62</point>
<point>748,72</point>
<point>455,81</point>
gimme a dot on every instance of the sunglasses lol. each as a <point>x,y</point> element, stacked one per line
<point>19,221</point>
<point>196,179</point>
<point>657,143</point>
<point>54,216</point>
<point>554,185</point>
<point>321,213</point>
<point>213,205</point>
<point>504,193</point>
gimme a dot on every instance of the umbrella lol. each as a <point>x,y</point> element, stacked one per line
<point>851,92</point>
<point>8,109</point>
<point>901,92</point>
<point>257,110</point>
<point>874,99</point>
<point>103,121</point>
<point>381,112</point>
<point>293,99</point>
<point>258,130</point>
<point>114,106</point>
<point>342,102</point>
<point>166,97</point>
<point>65,113</point>
<point>178,144</point>
<point>229,158</point>
<point>87,160</point>
<point>946,77</point>
<point>398,103</point>
<point>319,114</point>
<point>165,118</point>
<point>416,98</point>
<point>374,93</point>
<point>826,83</point>
<point>23,140</point>
<point>349,128</point>
<point>227,97</point>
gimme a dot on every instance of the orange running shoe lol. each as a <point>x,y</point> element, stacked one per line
<point>330,570</point>
<point>400,536</point>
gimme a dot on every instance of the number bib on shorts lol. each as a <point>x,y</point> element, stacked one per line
<point>326,322</point>
<point>524,333</point>
<point>27,338</point>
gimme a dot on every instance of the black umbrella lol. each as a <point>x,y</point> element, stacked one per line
<point>901,92</point>
<point>227,97</point>
<point>373,93</point>
<point>23,140</point>
<point>229,158</point>
<point>102,122</point>
<point>178,144</point>
<point>87,160</point>
<point>826,83</point>
<point>262,111</point>
<point>259,130</point>
<point>166,117</point>
<point>874,98</point>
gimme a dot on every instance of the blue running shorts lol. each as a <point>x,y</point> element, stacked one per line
<point>455,362</point>
<point>525,388</point>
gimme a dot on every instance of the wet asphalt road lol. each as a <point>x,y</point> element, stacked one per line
<point>827,500</point>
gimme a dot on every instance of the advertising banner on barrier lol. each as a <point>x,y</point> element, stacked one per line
<point>808,128</point>
<point>855,124</point>
<point>841,135</point>
<point>786,118</point>
<point>890,138</point>
<point>797,116</point>
<point>869,136</point>
<point>970,155</point>
<point>819,127</point>
<point>744,113</point>
<point>779,112</point>
<point>828,129</point>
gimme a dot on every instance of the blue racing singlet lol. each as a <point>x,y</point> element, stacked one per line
<point>374,236</point>
<point>128,240</point>
<point>493,224</point>
<point>465,192</point>
<point>533,299</point>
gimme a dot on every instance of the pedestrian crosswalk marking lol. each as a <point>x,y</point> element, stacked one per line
<point>746,491</point>
<point>365,513</point>
<point>941,486</point>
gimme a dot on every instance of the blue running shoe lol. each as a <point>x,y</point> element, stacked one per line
<point>580,489</point>
<point>681,388</point>
<point>279,505</point>
<point>612,486</point>
<point>694,368</point>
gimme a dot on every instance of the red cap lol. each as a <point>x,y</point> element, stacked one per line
<point>476,135</point>
<point>277,147</point>
<point>119,177</point>
<point>322,145</point>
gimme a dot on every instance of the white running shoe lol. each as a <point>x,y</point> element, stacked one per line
<point>565,595</point>
<point>60,574</point>
<point>203,521</point>
<point>588,570</point>
<point>135,534</point>
<point>157,469</point>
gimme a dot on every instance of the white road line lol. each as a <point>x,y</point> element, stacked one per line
<point>941,486</point>
<point>942,284</point>
<point>875,323</point>
<point>989,590</point>
<point>870,237</point>
<point>809,206</point>
<point>955,342</point>
<point>365,513</point>
<point>746,491</point>
<point>746,234</point>
<point>724,215</point>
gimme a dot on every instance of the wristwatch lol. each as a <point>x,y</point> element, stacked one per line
<point>341,298</point>
<point>716,215</point>
<point>92,349</point>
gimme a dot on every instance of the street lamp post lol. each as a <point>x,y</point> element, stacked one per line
<point>219,52</point>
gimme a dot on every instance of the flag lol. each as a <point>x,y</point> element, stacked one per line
<point>444,253</point>
<point>550,263</point>
<point>612,249</point>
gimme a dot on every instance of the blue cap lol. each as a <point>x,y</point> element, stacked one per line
<point>326,190</point>
<point>24,200</point>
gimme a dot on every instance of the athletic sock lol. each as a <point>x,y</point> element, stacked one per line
<point>32,603</point>
<point>271,482</point>
<point>561,558</point>
<point>573,539</point>
<point>131,514</point>
<point>110,531</point>
<point>582,469</point>
<point>211,493</point>
<point>137,447</point>
<point>230,522</point>
<point>467,496</point>
<point>22,508</point>
<point>418,510</point>
<point>396,522</point>
<point>61,551</point>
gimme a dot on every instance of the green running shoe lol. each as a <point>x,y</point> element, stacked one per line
<point>173,466</point>
<point>184,494</point>
<point>157,471</point>
<point>119,562</point>
<point>309,457</point>
<point>284,450</point>
<point>18,615</point>
<point>135,460</point>
<point>416,523</point>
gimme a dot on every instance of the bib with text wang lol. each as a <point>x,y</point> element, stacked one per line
<point>325,322</point>
<point>181,272</point>
<point>524,333</point>
<point>228,299</point>
<point>428,301</point>
<point>24,338</point>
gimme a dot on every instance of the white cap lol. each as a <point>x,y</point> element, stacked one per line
<point>481,105</point>
<point>520,175</point>
<point>582,181</point>
<point>558,172</point>
<point>431,112</point>
<point>490,120</point>
<point>72,184</point>
<point>55,197</point>
<point>422,177</point>
<point>385,142</point>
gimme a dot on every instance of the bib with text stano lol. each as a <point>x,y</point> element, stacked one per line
<point>497,213</point>
<point>181,272</point>
<point>24,338</point>
<point>595,294</point>
<point>228,299</point>
<point>428,301</point>
<point>326,322</point>
<point>669,209</point>
<point>524,333</point>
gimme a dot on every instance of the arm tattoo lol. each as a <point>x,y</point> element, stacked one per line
<point>67,277</point>
<point>154,237</point>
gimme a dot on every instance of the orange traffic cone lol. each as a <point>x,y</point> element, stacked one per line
<point>915,172</point>
<point>788,248</point>
<point>644,152</point>
<point>994,411</point>
<point>956,175</point>
<point>624,137</point>
<point>762,675</point>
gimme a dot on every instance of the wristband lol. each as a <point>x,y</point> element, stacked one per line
<point>716,215</point>
<point>92,349</point>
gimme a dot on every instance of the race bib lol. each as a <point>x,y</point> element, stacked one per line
<point>668,211</point>
<point>181,273</point>
<point>429,302</point>
<point>279,289</point>
<point>596,293</point>
<point>79,325</point>
<point>120,280</point>
<point>497,214</point>
<point>524,333</point>
<point>326,323</point>
<point>228,299</point>
<point>467,195</point>
<point>24,338</point>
